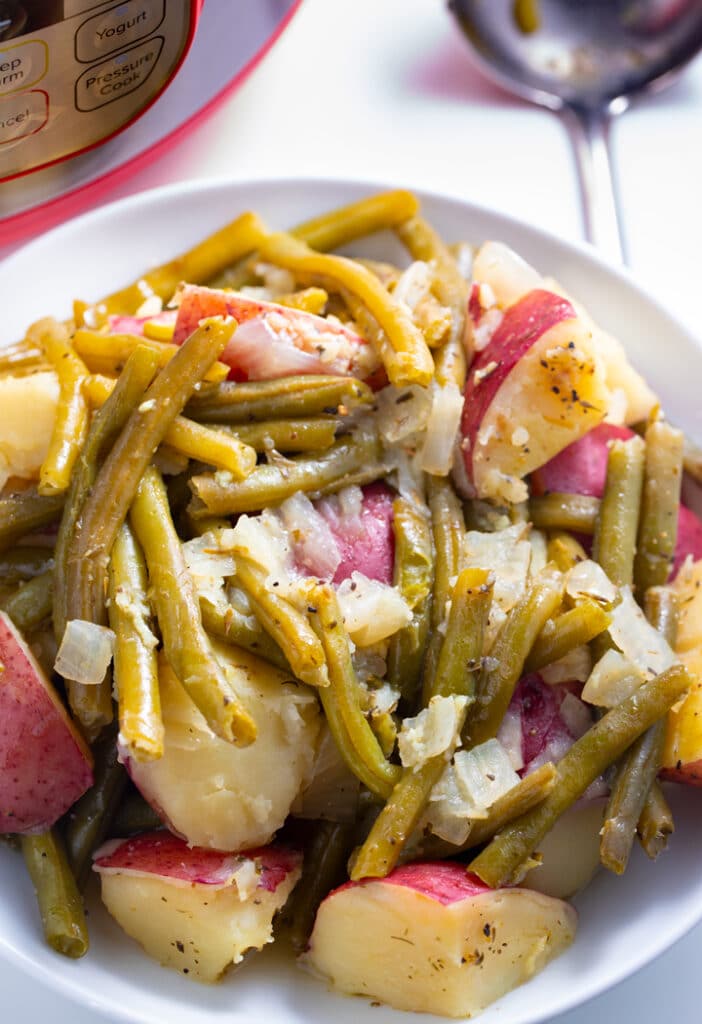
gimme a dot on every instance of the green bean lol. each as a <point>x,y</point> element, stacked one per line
<point>354,459</point>
<point>88,821</point>
<point>557,511</point>
<point>655,823</point>
<point>458,663</point>
<point>196,266</point>
<point>284,623</point>
<point>24,562</point>
<point>107,353</point>
<point>503,860</point>
<point>511,650</point>
<point>352,733</point>
<point>323,868</point>
<point>614,543</point>
<point>71,423</point>
<point>565,551</point>
<point>299,435</point>
<point>406,357</point>
<point>230,625</point>
<point>284,398</point>
<point>522,797</point>
<point>104,430</point>
<point>414,577</point>
<point>60,905</point>
<point>449,287</point>
<point>559,636</point>
<point>660,503</point>
<point>106,506</point>
<point>21,358</point>
<point>309,300</point>
<point>448,530</point>
<point>173,593</point>
<point>133,815</point>
<point>31,603</point>
<point>344,225</point>
<point>135,661</point>
<point>25,511</point>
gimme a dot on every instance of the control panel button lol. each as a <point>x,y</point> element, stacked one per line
<point>118,76</point>
<point>23,114</point>
<point>22,65</point>
<point>118,27</point>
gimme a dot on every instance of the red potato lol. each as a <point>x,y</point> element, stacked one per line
<point>135,324</point>
<point>547,732</point>
<point>366,541</point>
<point>435,939</point>
<point>274,341</point>
<point>195,910</point>
<point>532,391</point>
<point>581,468</point>
<point>44,764</point>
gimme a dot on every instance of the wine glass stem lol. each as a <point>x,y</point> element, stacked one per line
<point>589,132</point>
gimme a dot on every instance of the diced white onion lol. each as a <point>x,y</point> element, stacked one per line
<point>614,678</point>
<point>588,579</point>
<point>433,731</point>
<point>637,639</point>
<point>505,553</point>
<point>262,539</point>
<point>484,774</point>
<point>414,284</point>
<point>371,610</point>
<point>509,276</point>
<point>576,715</point>
<point>575,666</point>
<point>313,541</point>
<point>85,652</point>
<point>539,551</point>
<point>442,429</point>
<point>265,355</point>
<point>403,412</point>
<point>510,736</point>
<point>446,814</point>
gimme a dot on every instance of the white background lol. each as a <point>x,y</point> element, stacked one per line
<point>383,90</point>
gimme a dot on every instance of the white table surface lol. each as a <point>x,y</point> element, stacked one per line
<point>382,90</point>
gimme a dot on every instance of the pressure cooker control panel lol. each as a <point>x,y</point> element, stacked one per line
<point>74,72</point>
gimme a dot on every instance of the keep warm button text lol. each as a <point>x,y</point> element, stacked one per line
<point>117,76</point>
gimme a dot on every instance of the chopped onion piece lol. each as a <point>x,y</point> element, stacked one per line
<point>637,639</point>
<point>85,652</point>
<point>588,579</point>
<point>507,554</point>
<point>371,610</point>
<point>509,276</point>
<point>576,715</point>
<point>510,736</point>
<point>573,667</point>
<point>403,412</point>
<point>442,429</point>
<point>263,539</point>
<point>484,774</point>
<point>433,731</point>
<point>539,551</point>
<point>612,680</point>
<point>446,814</point>
<point>314,543</point>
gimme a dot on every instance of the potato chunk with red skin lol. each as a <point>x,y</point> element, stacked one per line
<point>435,939</point>
<point>366,542</point>
<point>195,910</point>
<point>534,389</point>
<point>276,340</point>
<point>44,764</point>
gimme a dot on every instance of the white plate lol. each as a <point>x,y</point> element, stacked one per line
<point>624,922</point>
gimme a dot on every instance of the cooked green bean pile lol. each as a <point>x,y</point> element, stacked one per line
<point>209,497</point>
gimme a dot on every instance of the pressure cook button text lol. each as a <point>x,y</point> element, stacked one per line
<point>117,76</point>
<point>118,27</point>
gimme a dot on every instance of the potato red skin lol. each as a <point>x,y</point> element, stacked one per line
<point>522,325</point>
<point>44,765</point>
<point>163,854</point>
<point>443,881</point>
